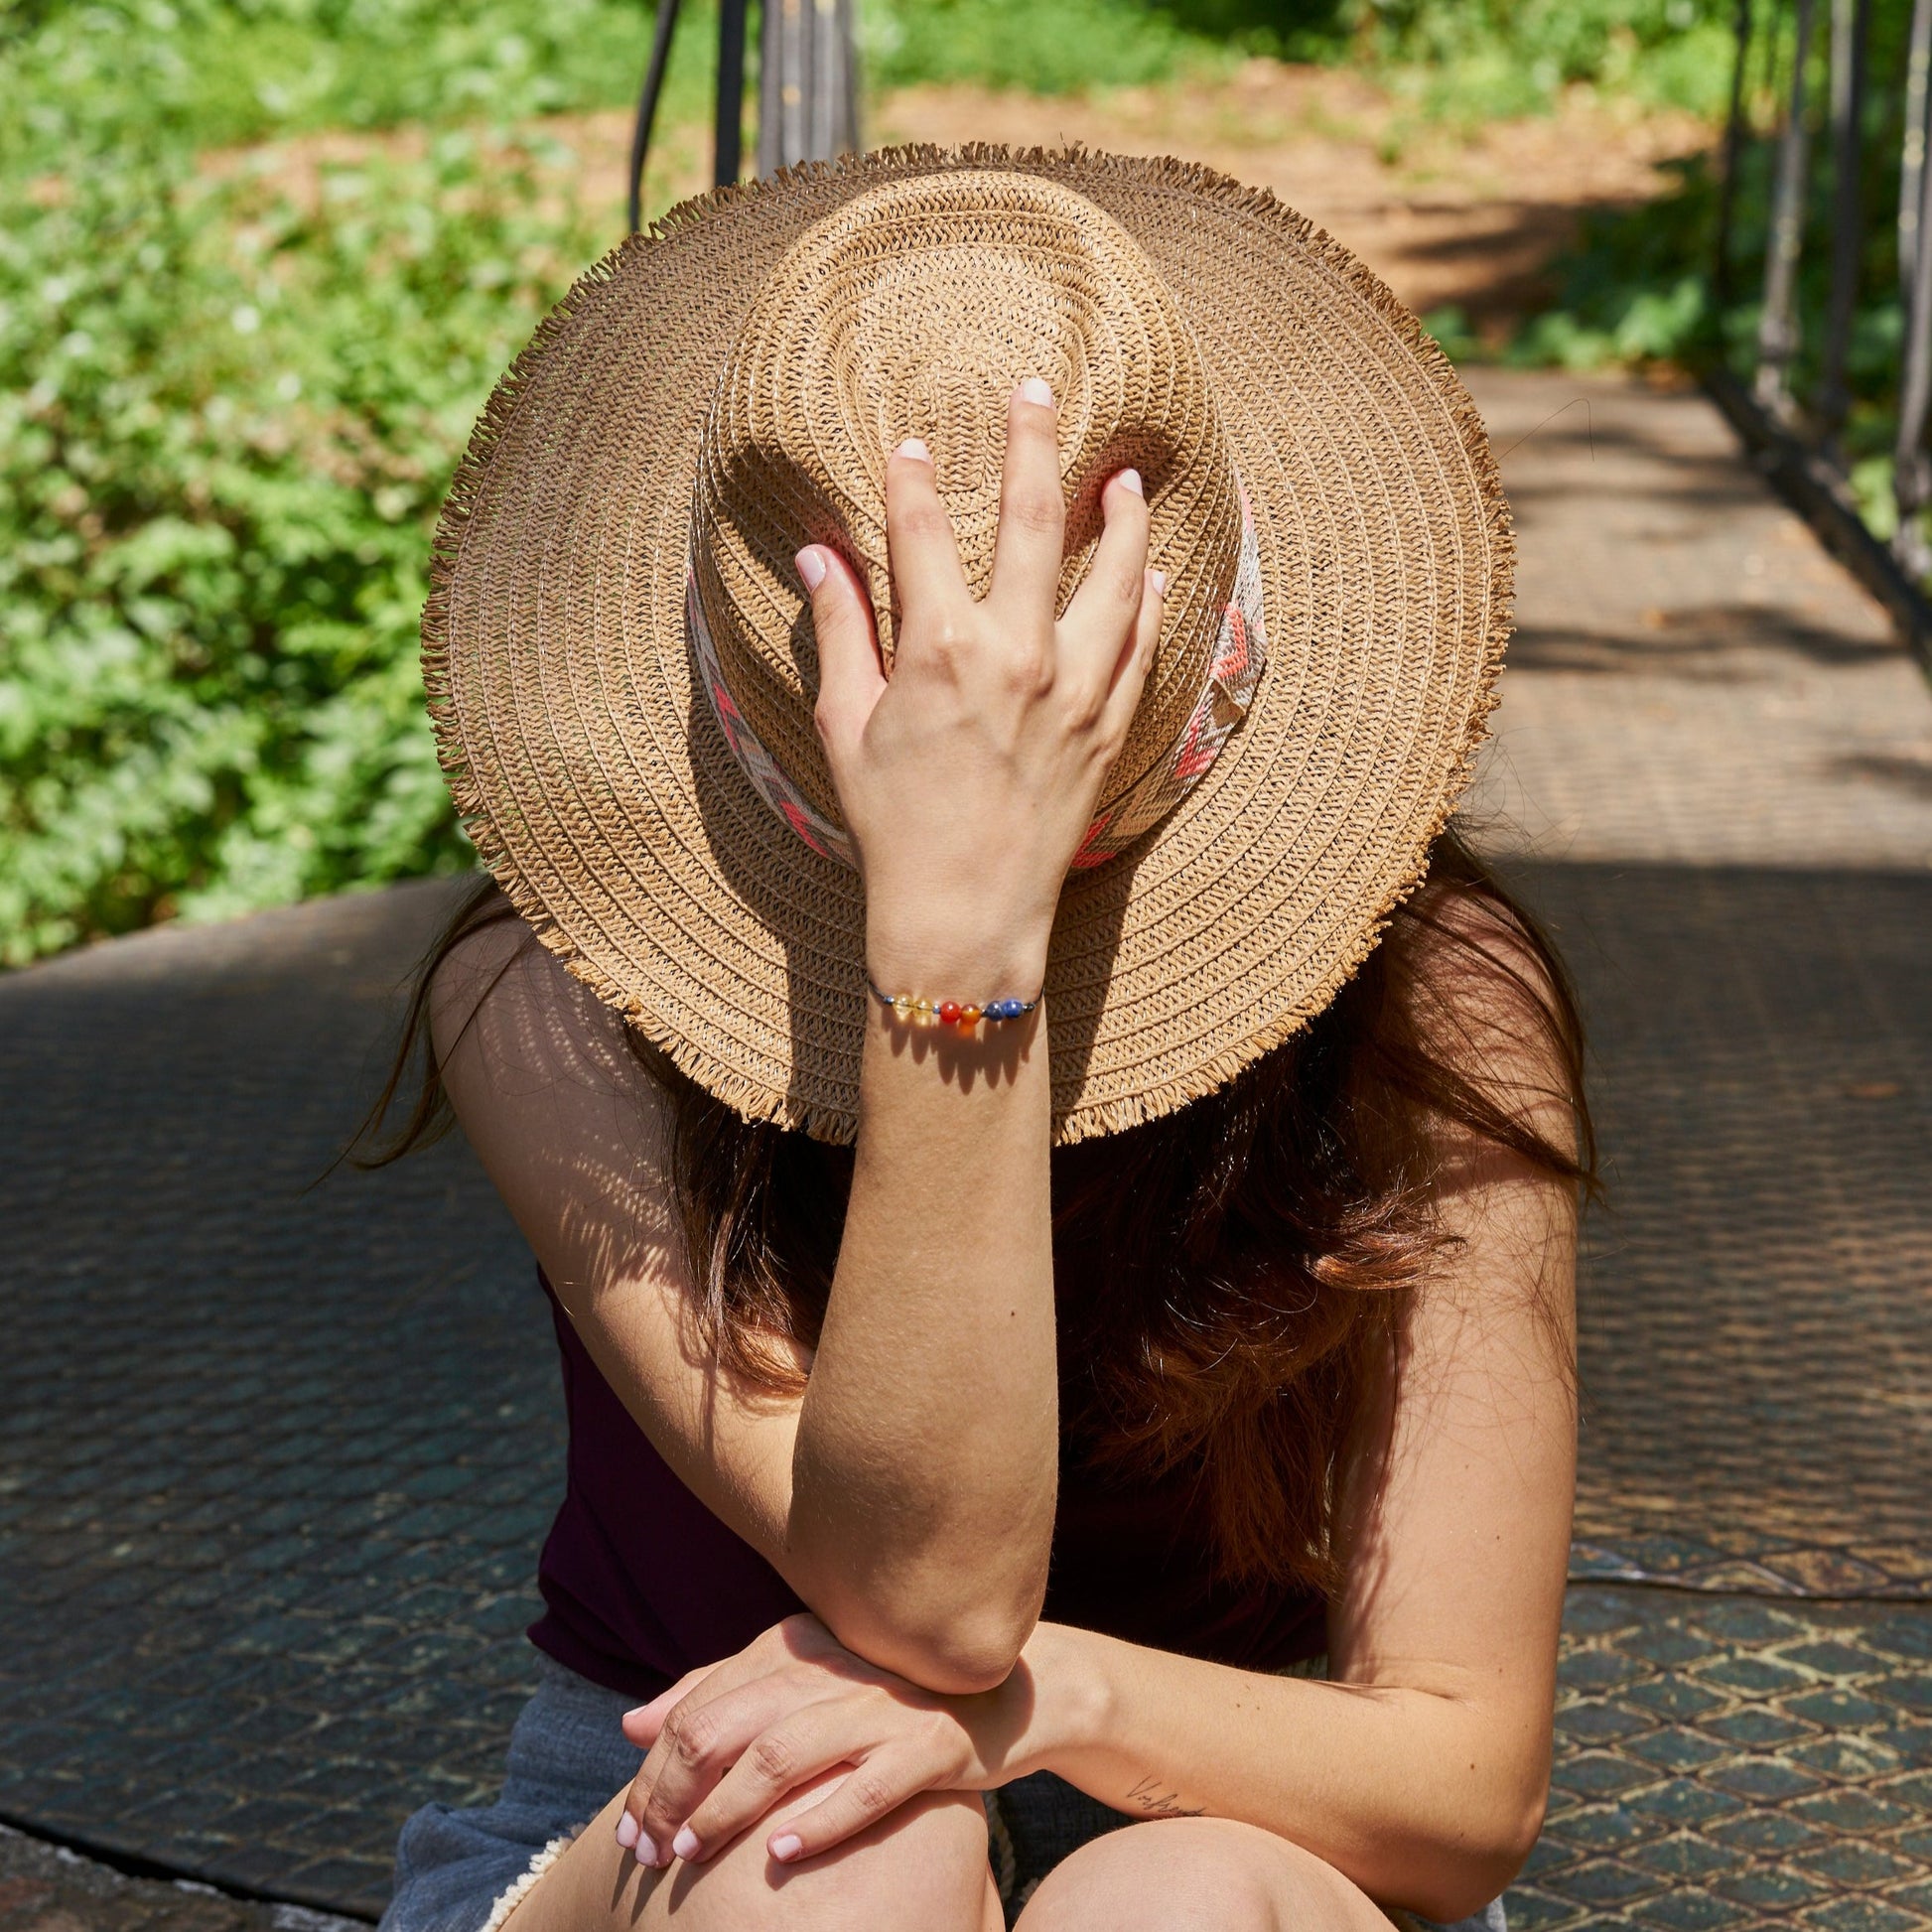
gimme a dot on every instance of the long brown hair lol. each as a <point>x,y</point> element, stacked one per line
<point>1230,1277</point>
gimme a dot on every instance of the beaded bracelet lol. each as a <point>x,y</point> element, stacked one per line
<point>948,1013</point>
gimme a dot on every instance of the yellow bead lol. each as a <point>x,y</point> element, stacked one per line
<point>902,1007</point>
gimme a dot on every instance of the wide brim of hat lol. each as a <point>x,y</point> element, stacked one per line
<point>589,771</point>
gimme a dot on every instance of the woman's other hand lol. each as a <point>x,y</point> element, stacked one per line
<point>726,1743</point>
<point>969,780</point>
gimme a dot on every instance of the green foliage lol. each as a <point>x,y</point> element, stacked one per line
<point>1477,59</point>
<point>228,417</point>
<point>1639,285</point>
<point>217,73</point>
<point>226,424</point>
<point>1059,48</point>
<point>1634,288</point>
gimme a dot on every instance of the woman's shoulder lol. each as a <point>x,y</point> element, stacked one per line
<point>498,994</point>
<point>1470,946</point>
<point>1487,999</point>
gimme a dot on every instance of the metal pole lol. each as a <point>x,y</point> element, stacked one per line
<point>1912,171</point>
<point>1721,290</point>
<point>1850,24</point>
<point>808,101</point>
<point>728,149</point>
<point>660,54</point>
<point>1778,329</point>
<point>1911,478</point>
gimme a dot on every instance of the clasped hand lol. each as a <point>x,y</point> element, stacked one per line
<point>730,1742</point>
<point>968,780</point>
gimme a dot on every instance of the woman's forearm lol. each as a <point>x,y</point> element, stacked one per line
<point>923,1478</point>
<point>1425,1799</point>
<point>968,771</point>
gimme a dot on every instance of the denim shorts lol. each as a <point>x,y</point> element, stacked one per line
<point>460,1871</point>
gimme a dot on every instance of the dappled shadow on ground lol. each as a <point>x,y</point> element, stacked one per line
<point>1912,777</point>
<point>1706,487</point>
<point>1717,642</point>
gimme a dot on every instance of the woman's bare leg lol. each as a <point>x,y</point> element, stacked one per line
<point>1197,1874</point>
<point>923,1867</point>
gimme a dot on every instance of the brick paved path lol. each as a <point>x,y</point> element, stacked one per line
<point>1713,772</point>
<point>1714,769</point>
<point>274,1463</point>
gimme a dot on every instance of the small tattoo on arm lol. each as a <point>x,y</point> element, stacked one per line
<point>1148,1796</point>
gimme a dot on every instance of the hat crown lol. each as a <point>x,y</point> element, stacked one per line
<point>914,310</point>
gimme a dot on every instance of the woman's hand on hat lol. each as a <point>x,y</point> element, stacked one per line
<point>727,1744</point>
<point>969,778</point>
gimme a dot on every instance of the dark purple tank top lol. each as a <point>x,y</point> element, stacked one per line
<point>641,1583</point>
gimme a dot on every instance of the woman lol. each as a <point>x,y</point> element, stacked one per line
<point>959,658</point>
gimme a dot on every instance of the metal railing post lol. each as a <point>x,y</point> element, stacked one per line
<point>1850,27</point>
<point>1807,439</point>
<point>1734,153</point>
<point>1778,329</point>
<point>1911,470</point>
<point>807,87</point>
<point>660,54</point>
<point>728,144</point>
<point>1911,476</point>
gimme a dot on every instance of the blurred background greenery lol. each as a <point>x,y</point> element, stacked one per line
<point>263,259</point>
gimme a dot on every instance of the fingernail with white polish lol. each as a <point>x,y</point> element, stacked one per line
<point>1159,581</point>
<point>788,1848</point>
<point>647,1852</point>
<point>685,1845</point>
<point>1131,479</point>
<point>627,1830</point>
<point>913,448</point>
<point>1035,390</point>
<point>812,567</point>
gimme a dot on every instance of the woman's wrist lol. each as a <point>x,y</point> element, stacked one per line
<point>972,958</point>
<point>1073,1695</point>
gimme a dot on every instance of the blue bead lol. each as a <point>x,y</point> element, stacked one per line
<point>1007,1008</point>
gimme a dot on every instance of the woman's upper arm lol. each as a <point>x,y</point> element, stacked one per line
<point>574,1135</point>
<point>1455,1510</point>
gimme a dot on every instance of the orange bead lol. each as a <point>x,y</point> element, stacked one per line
<point>949,1012</point>
<point>969,1015</point>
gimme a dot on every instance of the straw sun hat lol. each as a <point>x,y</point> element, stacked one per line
<point>620,660</point>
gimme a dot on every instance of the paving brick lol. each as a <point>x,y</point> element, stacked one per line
<point>1855,1914</point>
<point>1686,1855</point>
<point>1772,1888</point>
<point>1686,1909</point>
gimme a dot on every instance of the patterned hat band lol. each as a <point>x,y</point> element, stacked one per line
<point>1234,670</point>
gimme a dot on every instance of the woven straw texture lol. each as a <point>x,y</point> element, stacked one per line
<point>714,395</point>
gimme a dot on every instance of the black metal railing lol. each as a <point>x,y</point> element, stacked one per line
<point>1815,412</point>
<point>808,87</point>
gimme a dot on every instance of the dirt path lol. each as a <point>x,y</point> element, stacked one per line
<point>1470,218</point>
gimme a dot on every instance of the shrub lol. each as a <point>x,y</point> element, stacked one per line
<point>225,424</point>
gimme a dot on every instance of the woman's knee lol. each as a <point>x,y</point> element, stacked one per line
<point>1197,1874</point>
<point>923,1866</point>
